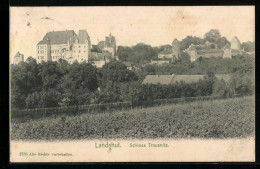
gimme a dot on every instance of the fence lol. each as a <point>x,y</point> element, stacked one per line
<point>99,108</point>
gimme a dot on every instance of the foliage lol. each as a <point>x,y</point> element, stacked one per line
<point>248,46</point>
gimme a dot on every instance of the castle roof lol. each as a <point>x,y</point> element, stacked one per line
<point>83,36</point>
<point>59,37</point>
<point>95,48</point>
<point>101,44</point>
<point>17,54</point>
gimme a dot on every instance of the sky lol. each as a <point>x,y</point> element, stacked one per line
<point>130,25</point>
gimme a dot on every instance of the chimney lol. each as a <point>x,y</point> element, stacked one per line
<point>158,76</point>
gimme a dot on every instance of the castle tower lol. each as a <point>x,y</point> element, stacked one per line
<point>235,43</point>
<point>18,58</point>
<point>176,48</point>
<point>110,45</point>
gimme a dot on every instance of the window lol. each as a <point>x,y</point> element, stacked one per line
<point>84,46</point>
<point>42,57</point>
<point>79,46</point>
<point>79,51</point>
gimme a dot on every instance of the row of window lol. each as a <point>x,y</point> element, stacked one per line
<point>79,51</point>
<point>79,46</point>
<point>57,57</point>
<point>40,57</point>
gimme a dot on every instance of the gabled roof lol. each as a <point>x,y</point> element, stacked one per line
<point>187,78</point>
<point>101,44</point>
<point>83,36</point>
<point>155,79</point>
<point>17,54</point>
<point>95,48</point>
<point>59,37</point>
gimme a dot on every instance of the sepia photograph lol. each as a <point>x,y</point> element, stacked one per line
<point>132,84</point>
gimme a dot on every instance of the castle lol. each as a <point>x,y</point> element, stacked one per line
<point>109,45</point>
<point>18,58</point>
<point>209,50</point>
<point>72,47</point>
<point>168,55</point>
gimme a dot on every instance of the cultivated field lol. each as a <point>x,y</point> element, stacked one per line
<point>230,118</point>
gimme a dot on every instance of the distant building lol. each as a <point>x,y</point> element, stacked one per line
<point>235,43</point>
<point>208,50</point>
<point>109,45</point>
<point>98,63</point>
<point>18,58</point>
<point>227,51</point>
<point>234,49</point>
<point>129,65</point>
<point>165,54</point>
<point>176,49</point>
<point>172,79</point>
<point>159,62</point>
<point>66,45</point>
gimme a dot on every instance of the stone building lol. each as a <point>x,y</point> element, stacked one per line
<point>18,58</point>
<point>234,49</point>
<point>176,49</point>
<point>197,51</point>
<point>66,45</point>
<point>165,54</point>
<point>109,45</point>
<point>235,43</point>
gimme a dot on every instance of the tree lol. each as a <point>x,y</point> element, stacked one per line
<point>24,80</point>
<point>124,53</point>
<point>51,74</point>
<point>212,36</point>
<point>142,53</point>
<point>186,42</point>
<point>116,72</point>
<point>248,46</point>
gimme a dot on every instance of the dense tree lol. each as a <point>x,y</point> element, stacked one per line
<point>186,42</point>
<point>124,53</point>
<point>248,46</point>
<point>116,72</point>
<point>212,36</point>
<point>24,80</point>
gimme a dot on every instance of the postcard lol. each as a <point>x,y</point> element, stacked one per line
<point>132,84</point>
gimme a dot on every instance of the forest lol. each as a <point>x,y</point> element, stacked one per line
<point>54,84</point>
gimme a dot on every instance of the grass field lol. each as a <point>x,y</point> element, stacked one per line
<point>230,118</point>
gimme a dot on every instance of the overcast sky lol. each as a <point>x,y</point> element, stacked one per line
<point>130,25</point>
